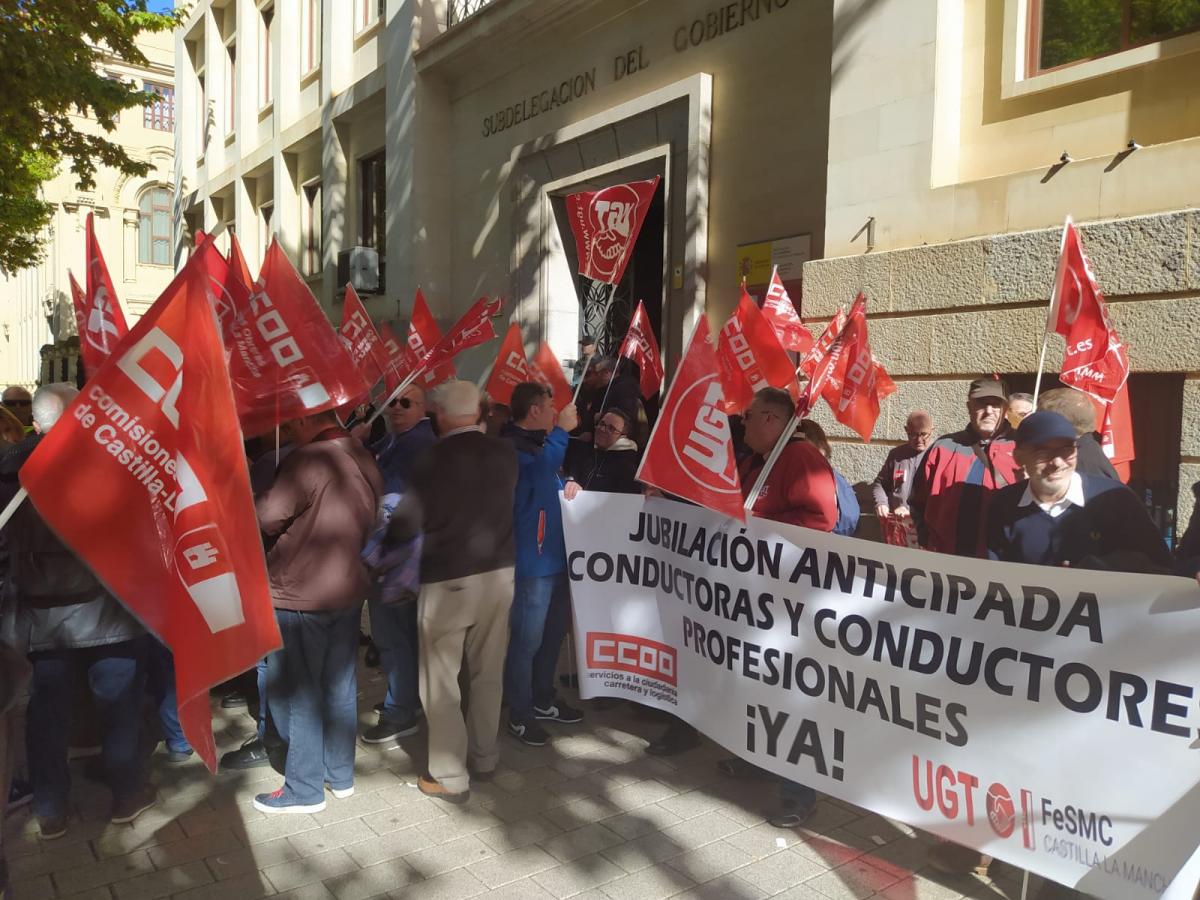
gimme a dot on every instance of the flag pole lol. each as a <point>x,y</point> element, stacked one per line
<point>587,364</point>
<point>769,462</point>
<point>616,359</point>
<point>1037,385</point>
<point>1050,310</point>
<point>13,504</point>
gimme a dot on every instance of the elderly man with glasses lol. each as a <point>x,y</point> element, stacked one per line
<point>894,482</point>
<point>19,402</point>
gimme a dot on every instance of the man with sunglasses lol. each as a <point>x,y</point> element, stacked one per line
<point>394,625</point>
<point>18,401</point>
<point>894,482</point>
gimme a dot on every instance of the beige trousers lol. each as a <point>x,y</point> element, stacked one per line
<point>464,620</point>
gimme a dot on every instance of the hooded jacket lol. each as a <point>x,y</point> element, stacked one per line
<point>537,515</point>
<point>610,470</point>
<point>59,602</point>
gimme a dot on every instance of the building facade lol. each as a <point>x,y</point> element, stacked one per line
<point>133,221</point>
<point>907,148</point>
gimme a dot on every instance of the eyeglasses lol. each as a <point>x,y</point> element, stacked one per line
<point>919,434</point>
<point>604,426</point>
<point>403,403</point>
<point>1059,451</point>
<point>17,402</point>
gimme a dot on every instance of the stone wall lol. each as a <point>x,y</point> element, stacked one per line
<point>943,314</point>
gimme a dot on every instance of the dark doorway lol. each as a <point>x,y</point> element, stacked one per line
<point>1156,405</point>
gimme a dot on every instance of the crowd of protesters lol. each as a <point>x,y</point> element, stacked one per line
<point>448,525</point>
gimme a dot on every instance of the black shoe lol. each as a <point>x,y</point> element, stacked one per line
<point>389,730</point>
<point>418,713</point>
<point>678,738</point>
<point>529,732</point>
<point>790,814</point>
<point>251,755</point>
<point>235,700</point>
<point>558,712</point>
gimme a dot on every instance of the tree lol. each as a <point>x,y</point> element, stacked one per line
<point>51,51</point>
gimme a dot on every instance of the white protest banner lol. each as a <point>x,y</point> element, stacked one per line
<point>1044,716</point>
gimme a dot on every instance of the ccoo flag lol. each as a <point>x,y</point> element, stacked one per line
<point>169,527</point>
<point>690,452</point>
<point>360,338</point>
<point>511,367</point>
<point>856,381</point>
<point>749,357</point>
<point>641,346</point>
<point>546,369</point>
<point>779,310</point>
<point>423,335</point>
<point>104,322</point>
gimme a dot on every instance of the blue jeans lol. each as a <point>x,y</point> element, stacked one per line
<point>116,676</point>
<point>540,612</point>
<point>160,674</point>
<point>394,631</point>
<point>312,687</point>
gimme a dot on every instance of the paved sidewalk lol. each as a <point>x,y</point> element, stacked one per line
<point>588,816</point>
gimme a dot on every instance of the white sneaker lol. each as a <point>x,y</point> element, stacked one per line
<point>342,793</point>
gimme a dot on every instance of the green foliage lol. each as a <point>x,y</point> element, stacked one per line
<point>1150,19</point>
<point>1081,29</point>
<point>51,51</point>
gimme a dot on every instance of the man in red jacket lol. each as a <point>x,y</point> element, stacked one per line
<point>959,473</point>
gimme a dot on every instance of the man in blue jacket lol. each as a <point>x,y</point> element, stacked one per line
<point>541,598</point>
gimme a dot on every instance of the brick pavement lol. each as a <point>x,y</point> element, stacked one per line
<point>588,816</point>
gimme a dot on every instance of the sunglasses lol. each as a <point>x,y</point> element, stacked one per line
<point>17,402</point>
<point>403,403</point>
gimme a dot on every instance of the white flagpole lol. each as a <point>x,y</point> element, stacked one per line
<point>769,463</point>
<point>412,376</point>
<point>15,502</point>
<point>586,365</point>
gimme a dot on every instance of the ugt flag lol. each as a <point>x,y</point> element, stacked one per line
<point>103,321</point>
<point>169,527</point>
<point>641,346</point>
<point>285,359</point>
<point>780,312</point>
<point>690,452</point>
<point>606,225</point>
<point>749,357</point>
<point>1095,360</point>
<point>511,367</point>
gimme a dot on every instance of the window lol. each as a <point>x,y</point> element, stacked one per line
<point>159,114</point>
<point>1062,32</point>
<point>373,203</point>
<point>311,51</point>
<point>266,213</point>
<point>265,88</point>
<point>310,263</point>
<point>369,12</point>
<point>154,227</point>
<point>201,114</point>
<point>231,87</point>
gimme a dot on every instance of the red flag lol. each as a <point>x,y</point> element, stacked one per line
<point>690,452</point>
<point>395,354</point>
<point>104,324</point>
<point>1095,360</point>
<point>200,238</point>
<point>238,262</point>
<point>79,306</point>
<point>780,312</point>
<point>423,335</point>
<point>1116,431</point>
<point>821,360</point>
<point>641,346</point>
<point>606,225</point>
<point>361,339</point>
<point>856,382</point>
<point>286,360</point>
<point>473,328</point>
<point>546,368</point>
<point>749,357</point>
<point>169,527</point>
<point>511,367</point>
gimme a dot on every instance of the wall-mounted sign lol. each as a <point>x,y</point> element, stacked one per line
<point>756,260</point>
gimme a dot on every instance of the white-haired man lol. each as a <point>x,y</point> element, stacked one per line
<point>67,622</point>
<point>465,484</point>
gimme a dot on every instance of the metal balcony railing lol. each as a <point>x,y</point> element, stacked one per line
<point>458,10</point>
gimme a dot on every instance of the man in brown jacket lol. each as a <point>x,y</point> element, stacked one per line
<point>316,517</point>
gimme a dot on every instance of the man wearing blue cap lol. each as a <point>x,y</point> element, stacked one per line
<point>1061,518</point>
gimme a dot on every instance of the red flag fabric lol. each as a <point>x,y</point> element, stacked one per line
<point>1116,431</point>
<point>606,225</point>
<point>169,527</point>
<point>690,452</point>
<point>104,323</point>
<point>395,354</point>
<point>821,360</point>
<point>641,346</point>
<point>286,360</point>
<point>749,357</point>
<point>474,327</point>
<point>511,367</point>
<point>79,306</point>
<point>546,368</point>
<point>1095,361</point>
<point>361,339</point>
<point>238,262</point>
<point>423,335</point>
<point>856,381</point>
<point>780,312</point>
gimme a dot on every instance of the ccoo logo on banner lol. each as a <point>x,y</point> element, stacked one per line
<point>996,705</point>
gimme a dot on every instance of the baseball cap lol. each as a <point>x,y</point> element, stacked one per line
<point>987,387</point>
<point>1043,427</point>
<point>586,339</point>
